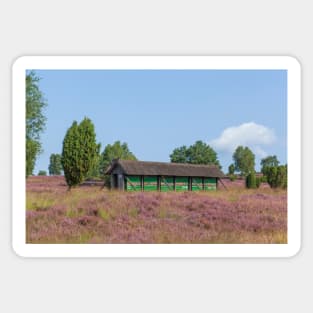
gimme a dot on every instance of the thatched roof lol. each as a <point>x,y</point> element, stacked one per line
<point>166,169</point>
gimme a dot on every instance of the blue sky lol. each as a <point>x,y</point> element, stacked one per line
<point>155,111</point>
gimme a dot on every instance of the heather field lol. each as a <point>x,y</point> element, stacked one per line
<point>93,215</point>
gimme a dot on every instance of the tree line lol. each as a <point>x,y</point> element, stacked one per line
<point>243,164</point>
<point>81,157</point>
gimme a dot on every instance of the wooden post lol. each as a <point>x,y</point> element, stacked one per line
<point>217,179</point>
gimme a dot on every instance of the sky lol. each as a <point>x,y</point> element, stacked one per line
<point>156,111</point>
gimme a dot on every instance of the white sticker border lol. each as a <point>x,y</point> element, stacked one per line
<point>288,63</point>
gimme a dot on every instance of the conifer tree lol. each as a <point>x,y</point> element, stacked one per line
<point>80,152</point>
<point>251,181</point>
<point>277,176</point>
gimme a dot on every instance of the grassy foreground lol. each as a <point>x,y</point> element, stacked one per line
<point>95,215</point>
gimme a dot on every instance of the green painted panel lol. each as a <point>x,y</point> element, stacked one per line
<point>167,183</point>
<point>181,183</point>
<point>197,183</point>
<point>150,183</point>
<point>210,184</point>
<point>133,183</point>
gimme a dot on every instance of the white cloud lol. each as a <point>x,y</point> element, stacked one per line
<point>247,134</point>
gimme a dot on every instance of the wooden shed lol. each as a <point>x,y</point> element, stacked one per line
<point>159,176</point>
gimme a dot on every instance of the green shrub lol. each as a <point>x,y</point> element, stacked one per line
<point>232,177</point>
<point>277,176</point>
<point>258,181</point>
<point>251,181</point>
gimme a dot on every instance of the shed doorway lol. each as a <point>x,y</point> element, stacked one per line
<point>115,181</point>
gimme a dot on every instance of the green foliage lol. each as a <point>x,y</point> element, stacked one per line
<point>55,166</point>
<point>35,120</point>
<point>198,153</point>
<point>277,176</point>
<point>80,151</point>
<point>71,158</point>
<point>272,176</point>
<point>282,176</point>
<point>42,173</point>
<point>231,169</point>
<point>94,172</point>
<point>284,179</point>
<point>232,177</point>
<point>117,150</point>
<point>270,161</point>
<point>244,160</point>
<point>32,150</point>
<point>180,155</point>
<point>251,181</point>
<point>258,181</point>
<point>201,153</point>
